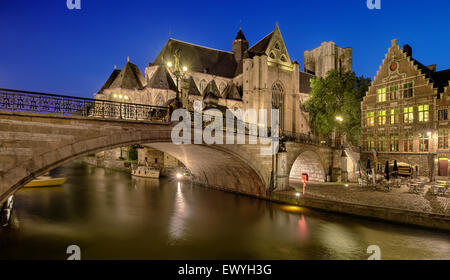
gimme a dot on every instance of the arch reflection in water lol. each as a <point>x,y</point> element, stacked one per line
<point>111,215</point>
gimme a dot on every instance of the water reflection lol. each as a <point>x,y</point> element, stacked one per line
<point>112,215</point>
<point>177,221</point>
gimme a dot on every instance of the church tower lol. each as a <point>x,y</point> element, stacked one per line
<point>240,45</point>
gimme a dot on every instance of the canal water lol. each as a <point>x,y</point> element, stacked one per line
<point>111,215</point>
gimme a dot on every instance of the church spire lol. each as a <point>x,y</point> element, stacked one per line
<point>240,45</point>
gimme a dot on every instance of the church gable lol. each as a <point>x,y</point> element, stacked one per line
<point>273,47</point>
<point>276,49</point>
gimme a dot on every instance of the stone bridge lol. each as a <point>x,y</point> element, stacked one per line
<point>33,143</point>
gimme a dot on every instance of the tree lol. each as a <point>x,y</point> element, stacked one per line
<point>338,94</point>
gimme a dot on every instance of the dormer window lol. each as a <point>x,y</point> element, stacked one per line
<point>272,55</point>
<point>277,46</point>
<point>283,58</point>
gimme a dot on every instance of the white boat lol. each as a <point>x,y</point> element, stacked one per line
<point>146,171</point>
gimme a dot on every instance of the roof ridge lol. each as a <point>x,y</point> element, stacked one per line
<point>262,39</point>
<point>200,46</point>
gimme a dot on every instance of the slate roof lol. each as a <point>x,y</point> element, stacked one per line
<point>232,92</point>
<point>211,89</point>
<point>111,78</point>
<point>162,79</point>
<point>240,35</point>
<point>439,79</point>
<point>442,79</point>
<point>262,45</point>
<point>193,90</point>
<point>199,59</point>
<point>130,77</point>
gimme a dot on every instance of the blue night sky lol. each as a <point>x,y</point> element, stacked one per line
<point>46,47</point>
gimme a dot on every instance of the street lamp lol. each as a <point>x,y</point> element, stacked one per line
<point>340,119</point>
<point>430,158</point>
<point>176,69</point>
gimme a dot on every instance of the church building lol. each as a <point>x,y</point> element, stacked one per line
<point>261,76</point>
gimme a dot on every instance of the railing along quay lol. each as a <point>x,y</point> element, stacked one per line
<point>304,138</point>
<point>37,102</point>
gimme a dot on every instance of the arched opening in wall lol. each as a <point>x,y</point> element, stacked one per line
<point>278,101</point>
<point>308,162</point>
<point>209,165</point>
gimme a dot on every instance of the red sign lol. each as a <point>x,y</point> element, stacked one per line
<point>304,177</point>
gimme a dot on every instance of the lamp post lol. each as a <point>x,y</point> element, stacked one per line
<point>344,173</point>
<point>430,158</point>
<point>340,119</point>
<point>177,70</point>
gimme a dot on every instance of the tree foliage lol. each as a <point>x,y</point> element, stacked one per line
<point>339,94</point>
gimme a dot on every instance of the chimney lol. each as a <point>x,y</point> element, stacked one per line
<point>408,50</point>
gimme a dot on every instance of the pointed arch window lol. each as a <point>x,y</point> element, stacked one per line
<point>203,84</point>
<point>277,101</point>
<point>272,55</point>
<point>283,58</point>
<point>277,46</point>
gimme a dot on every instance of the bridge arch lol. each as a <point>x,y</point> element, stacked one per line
<point>309,162</point>
<point>227,167</point>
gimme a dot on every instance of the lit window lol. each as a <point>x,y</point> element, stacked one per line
<point>381,92</point>
<point>394,116</point>
<point>408,142</point>
<point>382,117</point>
<point>408,116</point>
<point>424,141</point>
<point>393,92</point>
<point>443,138</point>
<point>381,139</point>
<point>423,113</point>
<point>370,119</point>
<point>394,143</point>
<point>370,143</point>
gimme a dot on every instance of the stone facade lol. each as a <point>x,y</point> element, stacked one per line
<point>262,76</point>
<point>405,114</point>
<point>326,57</point>
<point>259,77</point>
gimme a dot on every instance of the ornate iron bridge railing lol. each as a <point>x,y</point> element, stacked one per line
<point>304,138</point>
<point>36,102</point>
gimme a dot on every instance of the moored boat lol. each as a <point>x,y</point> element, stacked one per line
<point>146,171</point>
<point>45,181</point>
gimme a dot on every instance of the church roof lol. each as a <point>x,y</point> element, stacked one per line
<point>193,90</point>
<point>232,92</point>
<point>111,78</point>
<point>211,89</point>
<point>262,45</point>
<point>129,77</point>
<point>199,59</point>
<point>162,79</point>
<point>240,35</point>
